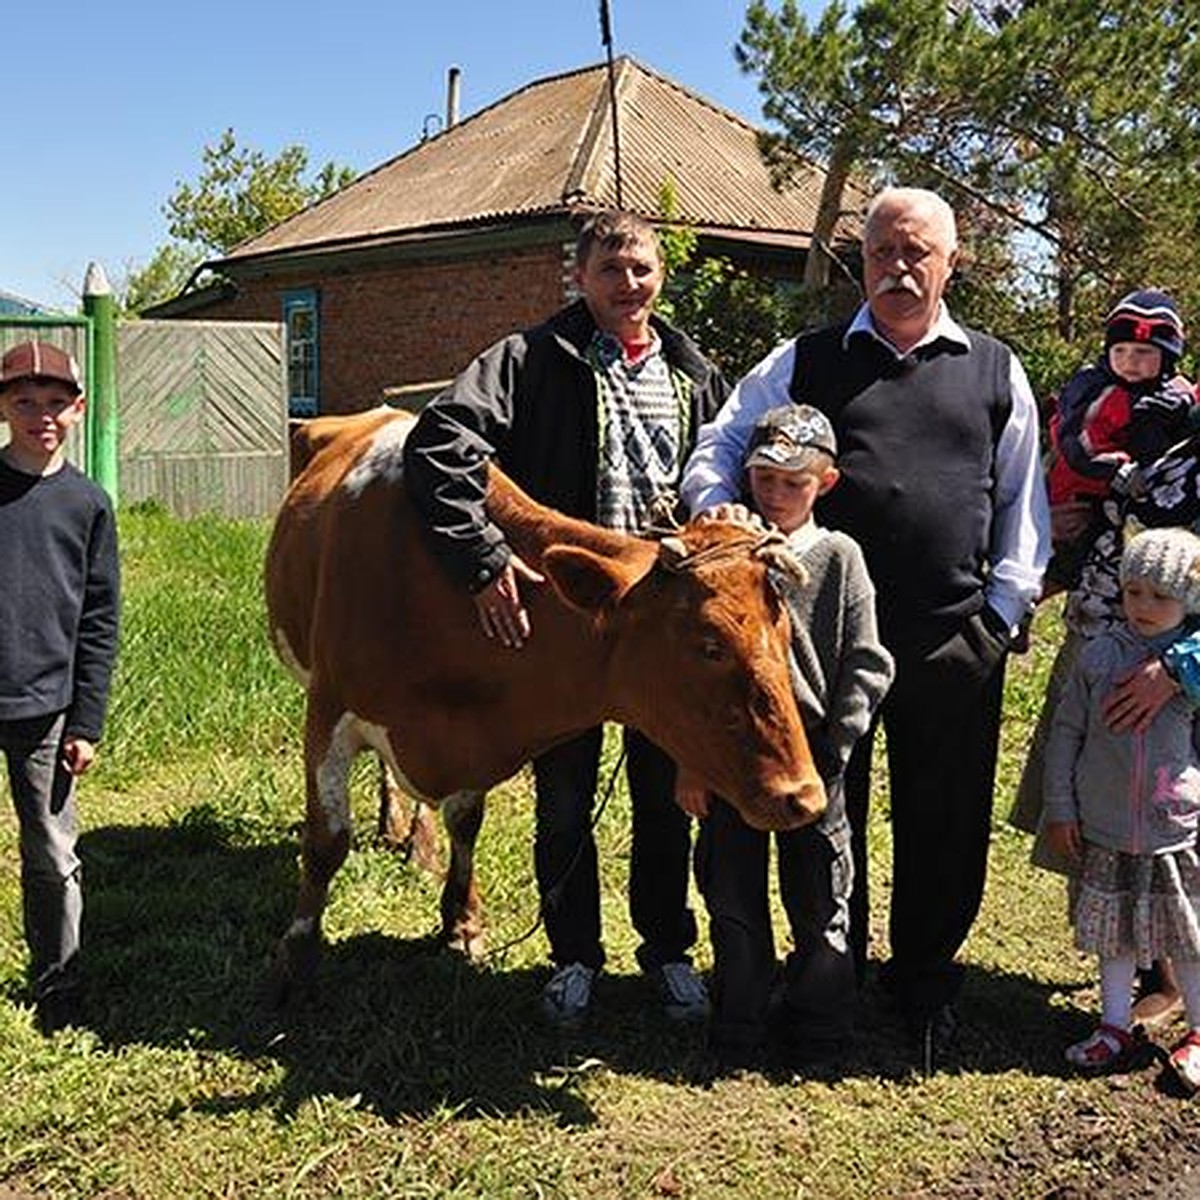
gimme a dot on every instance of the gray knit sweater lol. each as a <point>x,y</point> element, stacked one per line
<point>843,670</point>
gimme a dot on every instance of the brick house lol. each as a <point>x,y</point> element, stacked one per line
<point>395,282</point>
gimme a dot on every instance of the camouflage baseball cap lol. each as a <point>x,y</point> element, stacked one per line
<point>782,436</point>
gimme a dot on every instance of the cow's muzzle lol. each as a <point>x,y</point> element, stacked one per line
<point>799,803</point>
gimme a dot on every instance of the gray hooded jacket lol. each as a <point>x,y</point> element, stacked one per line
<point>1135,792</point>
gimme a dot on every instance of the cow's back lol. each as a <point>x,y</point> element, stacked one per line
<point>327,450</point>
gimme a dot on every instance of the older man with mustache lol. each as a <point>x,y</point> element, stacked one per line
<point>941,484</point>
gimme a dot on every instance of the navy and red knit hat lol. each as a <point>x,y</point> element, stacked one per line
<point>1147,316</point>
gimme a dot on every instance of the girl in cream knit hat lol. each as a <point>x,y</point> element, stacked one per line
<point>1124,807</point>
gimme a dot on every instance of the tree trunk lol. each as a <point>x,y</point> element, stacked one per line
<point>820,252</point>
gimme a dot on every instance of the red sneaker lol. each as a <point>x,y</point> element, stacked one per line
<point>1102,1050</point>
<point>1184,1060</point>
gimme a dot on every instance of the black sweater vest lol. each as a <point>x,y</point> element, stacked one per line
<point>917,443</point>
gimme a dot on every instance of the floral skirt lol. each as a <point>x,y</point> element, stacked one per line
<point>1140,904</point>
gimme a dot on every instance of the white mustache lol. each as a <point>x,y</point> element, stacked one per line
<point>897,283</point>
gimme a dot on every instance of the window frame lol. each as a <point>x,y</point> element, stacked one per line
<point>296,302</point>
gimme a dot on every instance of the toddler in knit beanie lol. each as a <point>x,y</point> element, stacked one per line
<point>1148,316</point>
<point>1169,560</point>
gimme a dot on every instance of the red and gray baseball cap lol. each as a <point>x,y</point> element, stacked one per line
<point>40,360</point>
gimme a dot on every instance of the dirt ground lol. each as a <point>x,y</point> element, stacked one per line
<point>1142,1144</point>
<point>1133,1135</point>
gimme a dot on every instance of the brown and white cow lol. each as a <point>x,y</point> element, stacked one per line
<point>683,639</point>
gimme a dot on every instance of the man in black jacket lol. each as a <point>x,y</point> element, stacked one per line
<point>593,413</point>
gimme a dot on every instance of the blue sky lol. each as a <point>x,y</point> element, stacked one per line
<point>109,105</point>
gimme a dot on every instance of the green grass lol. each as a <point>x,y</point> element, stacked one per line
<point>414,1074</point>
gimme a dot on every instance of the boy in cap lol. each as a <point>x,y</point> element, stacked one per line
<point>1117,416</point>
<point>1123,808</point>
<point>58,639</point>
<point>840,672</point>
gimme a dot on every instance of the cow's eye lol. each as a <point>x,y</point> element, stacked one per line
<point>712,649</point>
<point>760,704</point>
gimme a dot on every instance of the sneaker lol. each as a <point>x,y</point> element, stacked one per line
<point>1104,1049</point>
<point>683,993</point>
<point>1184,1060</point>
<point>567,998</point>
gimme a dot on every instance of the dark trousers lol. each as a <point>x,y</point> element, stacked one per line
<point>942,720</point>
<point>815,877</point>
<point>565,852</point>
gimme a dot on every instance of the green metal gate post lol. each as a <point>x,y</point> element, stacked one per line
<point>98,303</point>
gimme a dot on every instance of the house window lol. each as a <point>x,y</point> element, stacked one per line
<point>300,318</point>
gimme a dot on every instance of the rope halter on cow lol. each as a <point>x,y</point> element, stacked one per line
<point>769,545</point>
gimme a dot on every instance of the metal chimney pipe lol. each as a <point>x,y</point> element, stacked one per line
<point>452,80</point>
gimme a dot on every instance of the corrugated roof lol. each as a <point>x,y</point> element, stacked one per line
<point>13,305</point>
<point>548,147</point>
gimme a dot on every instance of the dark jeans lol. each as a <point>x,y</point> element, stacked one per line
<point>942,719</point>
<point>51,890</point>
<point>565,852</point>
<point>815,878</point>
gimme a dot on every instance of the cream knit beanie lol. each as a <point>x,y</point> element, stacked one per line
<point>1169,559</point>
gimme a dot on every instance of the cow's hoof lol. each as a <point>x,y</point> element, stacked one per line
<point>294,970</point>
<point>469,942</point>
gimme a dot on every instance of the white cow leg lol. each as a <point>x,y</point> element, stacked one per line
<point>325,843</point>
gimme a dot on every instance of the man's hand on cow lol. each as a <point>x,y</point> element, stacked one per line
<point>690,794</point>
<point>1138,696</point>
<point>501,611</point>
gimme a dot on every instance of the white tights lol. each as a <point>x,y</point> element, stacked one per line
<point>1116,989</point>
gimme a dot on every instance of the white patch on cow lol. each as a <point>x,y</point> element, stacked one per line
<point>333,773</point>
<point>301,927</point>
<point>382,459</point>
<point>376,736</point>
<point>288,657</point>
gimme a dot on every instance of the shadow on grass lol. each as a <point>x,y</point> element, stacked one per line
<point>181,927</point>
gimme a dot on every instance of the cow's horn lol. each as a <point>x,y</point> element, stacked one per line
<point>672,553</point>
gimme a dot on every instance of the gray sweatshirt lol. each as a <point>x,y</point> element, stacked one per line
<point>1135,792</point>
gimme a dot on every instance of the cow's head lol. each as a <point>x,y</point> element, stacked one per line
<point>699,663</point>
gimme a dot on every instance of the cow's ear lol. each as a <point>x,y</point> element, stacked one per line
<point>586,580</point>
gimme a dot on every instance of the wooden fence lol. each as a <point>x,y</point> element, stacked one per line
<point>203,416</point>
<point>202,411</point>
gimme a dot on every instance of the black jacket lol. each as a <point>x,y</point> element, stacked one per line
<point>530,403</point>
